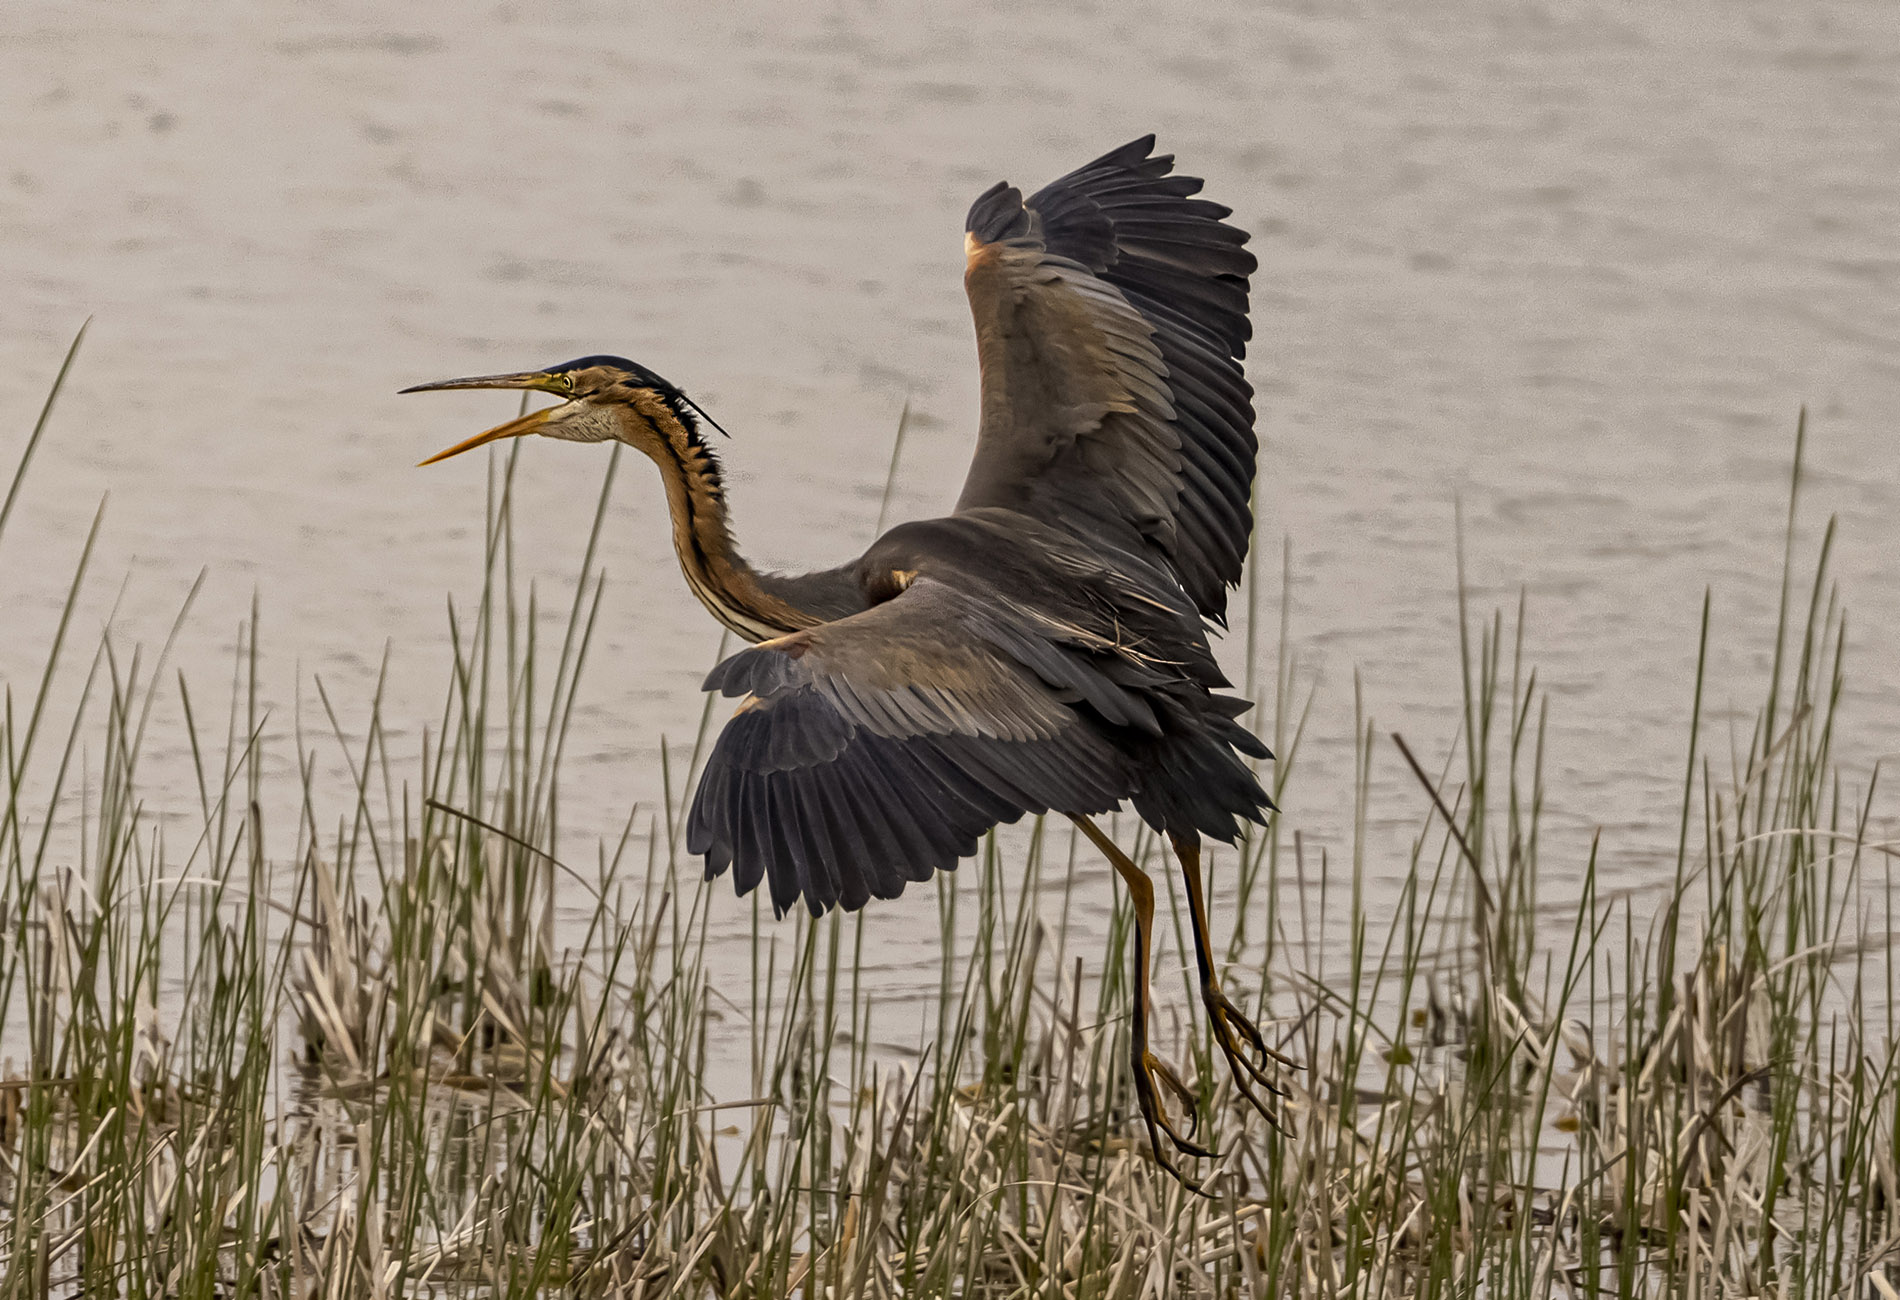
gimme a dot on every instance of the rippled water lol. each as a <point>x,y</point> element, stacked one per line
<point>1574,266</point>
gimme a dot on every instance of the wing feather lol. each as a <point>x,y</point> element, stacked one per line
<point>874,750</point>
<point>1111,318</point>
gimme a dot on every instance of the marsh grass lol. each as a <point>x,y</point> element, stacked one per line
<point>401,1048</point>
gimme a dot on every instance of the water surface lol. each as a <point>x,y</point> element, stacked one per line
<point>1573,266</point>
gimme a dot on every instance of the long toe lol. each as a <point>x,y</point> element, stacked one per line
<point>1190,1104</point>
<point>1229,1025</point>
<point>1245,1074</point>
<point>1246,1028</point>
<point>1227,1021</point>
<point>1155,1114</point>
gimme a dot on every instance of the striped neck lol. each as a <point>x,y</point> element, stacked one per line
<point>725,583</point>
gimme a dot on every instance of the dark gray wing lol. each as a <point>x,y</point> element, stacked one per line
<point>1111,317</point>
<point>874,750</point>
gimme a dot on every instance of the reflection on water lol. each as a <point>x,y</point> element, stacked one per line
<point>1571,267</point>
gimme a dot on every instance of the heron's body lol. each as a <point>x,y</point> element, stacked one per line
<point>1042,648</point>
<point>1001,665</point>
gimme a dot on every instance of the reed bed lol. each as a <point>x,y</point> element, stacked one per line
<point>400,1049</point>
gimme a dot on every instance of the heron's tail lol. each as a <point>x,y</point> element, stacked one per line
<point>1194,779</point>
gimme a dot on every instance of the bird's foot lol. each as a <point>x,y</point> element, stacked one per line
<point>1149,1068</point>
<point>1231,1026</point>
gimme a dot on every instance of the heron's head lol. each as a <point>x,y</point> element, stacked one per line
<point>602,398</point>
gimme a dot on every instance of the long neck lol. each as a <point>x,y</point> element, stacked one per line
<point>702,536</point>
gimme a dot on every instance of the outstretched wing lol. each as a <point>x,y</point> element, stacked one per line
<point>876,749</point>
<point>1111,317</point>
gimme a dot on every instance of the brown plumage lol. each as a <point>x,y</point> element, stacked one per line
<point>1041,649</point>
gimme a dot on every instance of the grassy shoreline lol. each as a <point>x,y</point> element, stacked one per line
<point>358,1057</point>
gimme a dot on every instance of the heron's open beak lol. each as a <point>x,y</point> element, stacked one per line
<point>534,380</point>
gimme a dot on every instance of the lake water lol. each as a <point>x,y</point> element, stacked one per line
<point>1573,266</point>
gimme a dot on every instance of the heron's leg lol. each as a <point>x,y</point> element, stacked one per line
<point>1224,1018</point>
<point>1147,1066</point>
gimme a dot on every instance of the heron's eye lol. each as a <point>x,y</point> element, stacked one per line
<point>567,383</point>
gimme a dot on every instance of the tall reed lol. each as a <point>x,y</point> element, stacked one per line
<point>400,1047</point>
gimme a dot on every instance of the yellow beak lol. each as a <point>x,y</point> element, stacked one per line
<point>513,429</point>
<point>535,380</point>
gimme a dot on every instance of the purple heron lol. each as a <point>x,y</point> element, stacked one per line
<point>1043,647</point>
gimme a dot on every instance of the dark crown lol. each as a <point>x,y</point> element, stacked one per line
<point>641,375</point>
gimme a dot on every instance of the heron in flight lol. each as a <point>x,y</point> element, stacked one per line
<point>1043,647</point>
